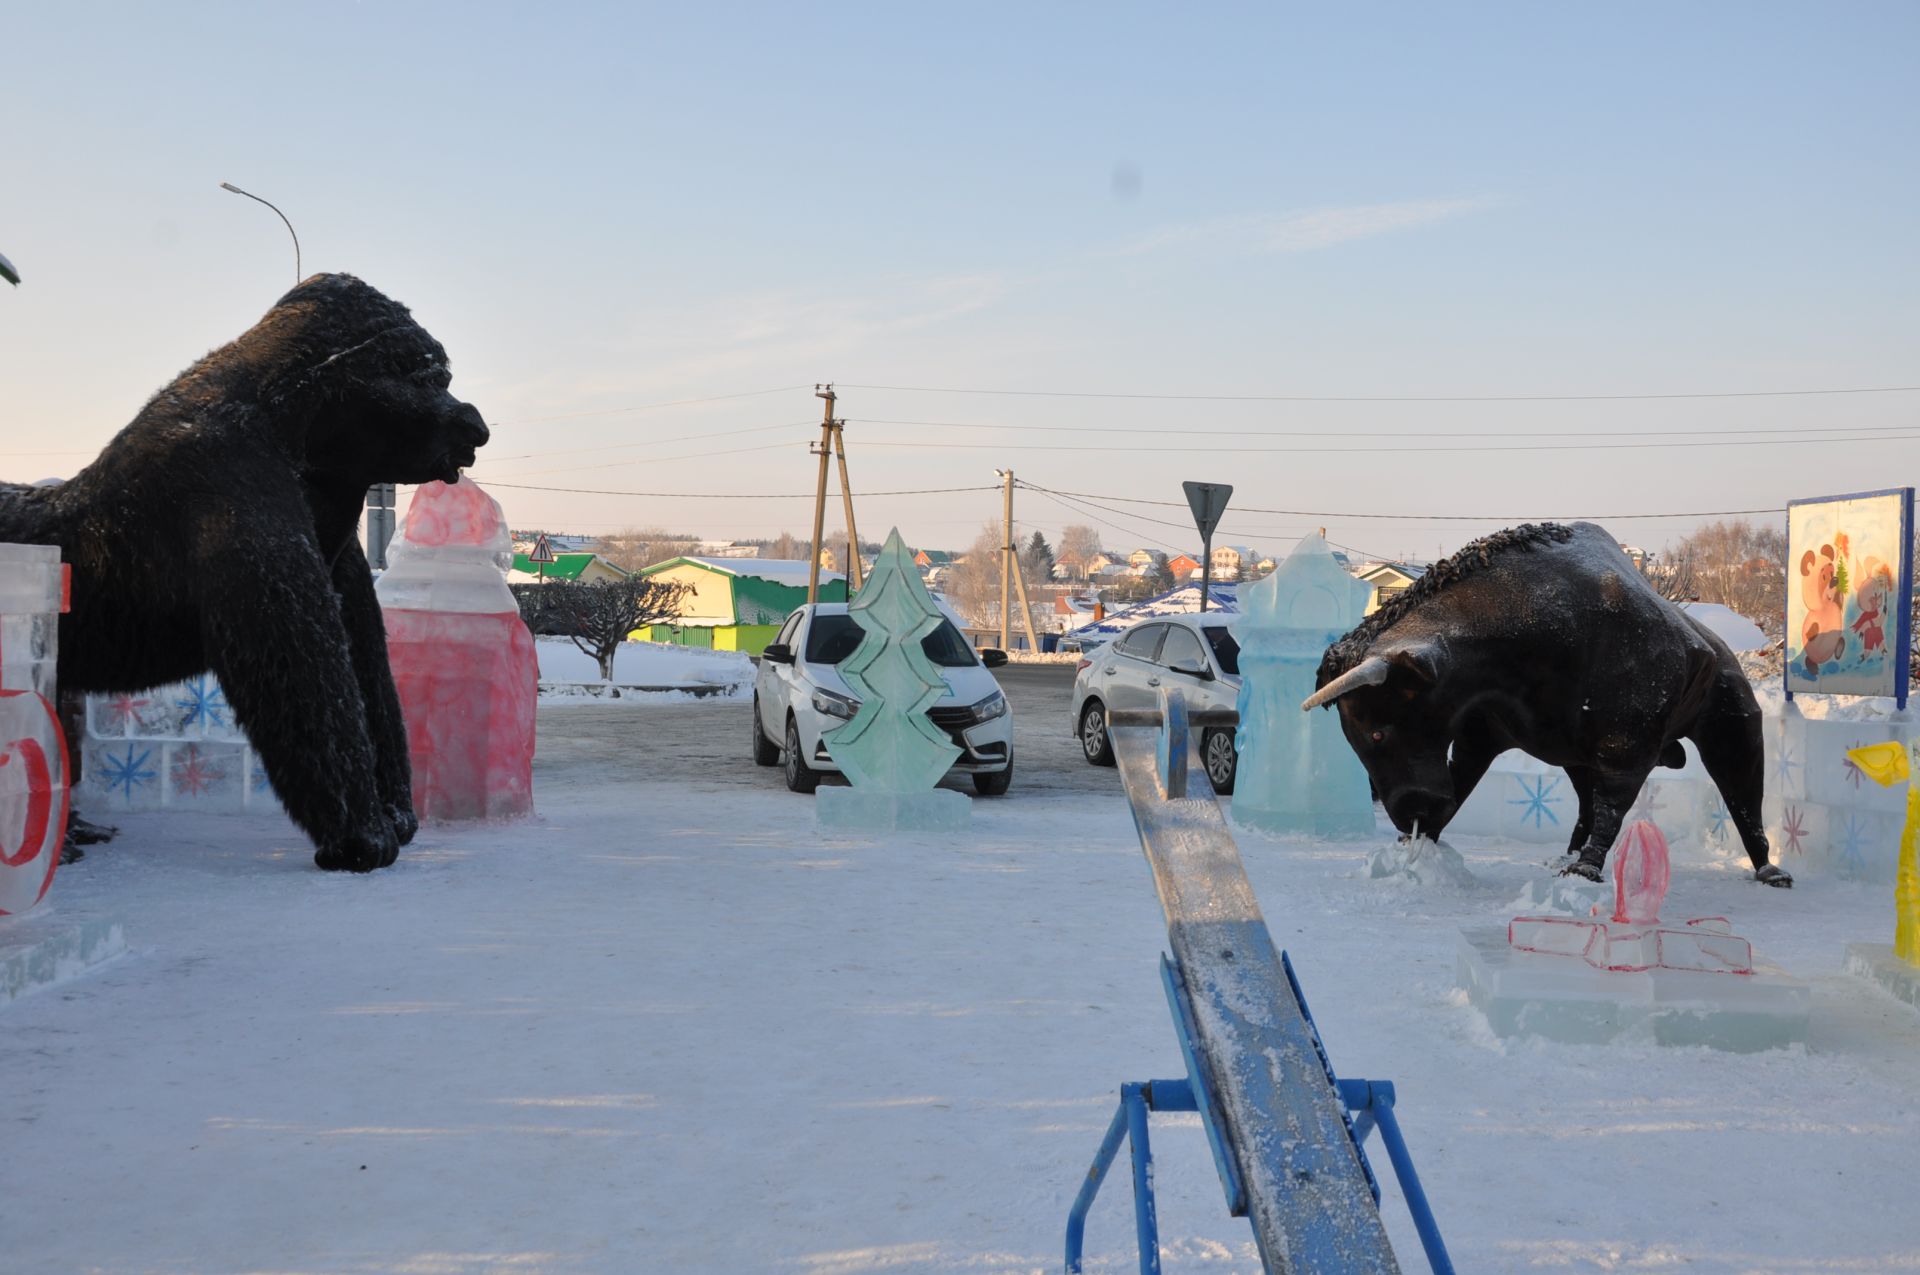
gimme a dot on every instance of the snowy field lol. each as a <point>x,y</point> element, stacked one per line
<point>669,1026</point>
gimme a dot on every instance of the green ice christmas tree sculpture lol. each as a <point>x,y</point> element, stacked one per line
<point>891,752</point>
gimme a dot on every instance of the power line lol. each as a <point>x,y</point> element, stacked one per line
<point>1390,398</point>
<point>649,407</point>
<point>650,442</point>
<point>1184,430</point>
<point>1508,518</point>
<point>1403,451</point>
<point>656,460</point>
<point>734,495</point>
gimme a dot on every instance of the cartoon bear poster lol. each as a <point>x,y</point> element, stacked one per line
<point>1849,577</point>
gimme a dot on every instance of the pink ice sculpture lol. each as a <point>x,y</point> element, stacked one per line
<point>1634,939</point>
<point>1640,874</point>
<point>463,660</point>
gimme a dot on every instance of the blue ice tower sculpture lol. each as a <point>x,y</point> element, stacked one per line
<point>1297,772</point>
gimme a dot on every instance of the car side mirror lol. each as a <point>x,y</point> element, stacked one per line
<point>1187,668</point>
<point>992,657</point>
<point>778,653</point>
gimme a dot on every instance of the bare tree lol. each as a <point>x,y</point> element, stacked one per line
<point>637,548</point>
<point>1079,545</point>
<point>788,547</point>
<point>972,584</point>
<point>599,616</point>
<point>1741,565</point>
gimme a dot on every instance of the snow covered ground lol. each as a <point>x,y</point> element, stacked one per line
<point>644,664</point>
<point>670,1026</point>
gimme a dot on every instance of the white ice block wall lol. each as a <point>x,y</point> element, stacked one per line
<point>1824,817</point>
<point>173,748</point>
<point>1522,799</point>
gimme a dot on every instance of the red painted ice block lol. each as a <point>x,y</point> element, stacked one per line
<point>462,659</point>
<point>467,685</point>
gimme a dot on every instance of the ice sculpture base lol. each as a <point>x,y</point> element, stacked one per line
<point>1422,862</point>
<point>1876,961</point>
<point>1565,999</point>
<point>38,952</point>
<point>853,810</point>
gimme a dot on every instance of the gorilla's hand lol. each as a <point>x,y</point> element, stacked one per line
<point>405,822</point>
<point>376,847</point>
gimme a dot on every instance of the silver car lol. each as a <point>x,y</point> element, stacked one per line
<point>1193,652</point>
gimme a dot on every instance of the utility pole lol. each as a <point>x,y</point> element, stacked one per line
<point>823,450</point>
<point>854,570</point>
<point>1010,570</point>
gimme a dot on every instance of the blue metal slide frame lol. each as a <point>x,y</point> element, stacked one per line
<point>1294,1235</point>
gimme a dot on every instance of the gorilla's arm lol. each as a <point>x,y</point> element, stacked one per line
<point>367,640</point>
<point>273,632</point>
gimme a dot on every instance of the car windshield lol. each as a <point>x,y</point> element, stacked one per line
<point>1226,651</point>
<point>832,638</point>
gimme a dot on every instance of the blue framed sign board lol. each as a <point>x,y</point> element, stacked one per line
<point>1850,594</point>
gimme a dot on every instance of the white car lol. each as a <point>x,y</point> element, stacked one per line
<point>1194,652</point>
<point>798,696</point>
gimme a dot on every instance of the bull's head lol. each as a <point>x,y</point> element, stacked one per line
<point>1391,717</point>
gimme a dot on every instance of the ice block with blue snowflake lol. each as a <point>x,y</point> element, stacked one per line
<point>175,747</point>
<point>1297,773</point>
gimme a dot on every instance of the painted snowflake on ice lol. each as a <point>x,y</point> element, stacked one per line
<point>1794,825</point>
<point>1538,798</point>
<point>1787,765</point>
<point>205,702</point>
<point>1718,820</point>
<point>125,710</point>
<point>193,774</point>
<point>125,772</point>
<point>1851,768</point>
<point>1853,847</point>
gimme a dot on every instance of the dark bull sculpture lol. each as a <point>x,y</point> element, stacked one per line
<point>1544,638</point>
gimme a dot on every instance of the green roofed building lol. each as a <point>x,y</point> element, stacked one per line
<point>583,567</point>
<point>735,604</point>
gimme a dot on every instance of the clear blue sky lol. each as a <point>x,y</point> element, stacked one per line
<point>601,207</point>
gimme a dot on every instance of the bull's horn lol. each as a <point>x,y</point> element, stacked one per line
<point>1369,672</point>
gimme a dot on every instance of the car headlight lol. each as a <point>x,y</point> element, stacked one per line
<point>994,705</point>
<point>835,705</point>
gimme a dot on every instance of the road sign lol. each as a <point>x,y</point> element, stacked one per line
<point>542,551</point>
<point>1208,501</point>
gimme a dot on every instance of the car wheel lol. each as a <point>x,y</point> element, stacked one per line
<point>800,776</point>
<point>1221,758</point>
<point>765,751</point>
<point>994,783</point>
<point>1094,741</point>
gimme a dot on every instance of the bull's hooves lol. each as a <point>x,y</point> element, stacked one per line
<point>405,824</point>
<point>1583,869</point>
<point>71,853</point>
<point>1775,876</point>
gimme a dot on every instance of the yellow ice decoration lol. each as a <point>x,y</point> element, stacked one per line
<point>1886,764</point>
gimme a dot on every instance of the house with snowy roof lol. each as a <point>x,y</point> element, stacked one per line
<point>735,604</point>
<point>1184,566</point>
<point>581,568</point>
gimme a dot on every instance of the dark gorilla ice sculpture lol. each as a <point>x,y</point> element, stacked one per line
<point>217,532</point>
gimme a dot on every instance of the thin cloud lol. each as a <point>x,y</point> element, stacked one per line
<point>1307,231</point>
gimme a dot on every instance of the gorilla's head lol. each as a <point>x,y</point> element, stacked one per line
<point>373,381</point>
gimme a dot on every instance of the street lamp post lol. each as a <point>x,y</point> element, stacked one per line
<point>297,276</point>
